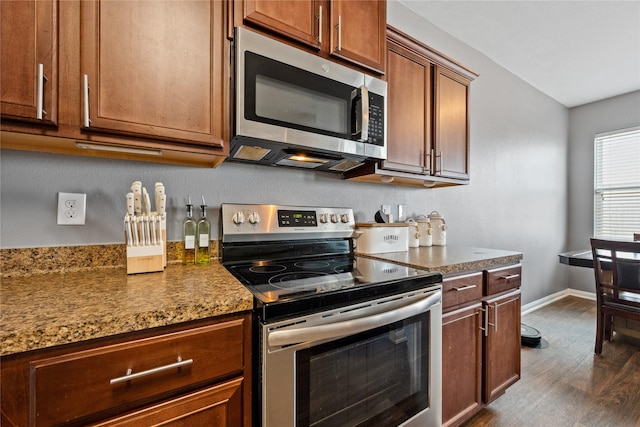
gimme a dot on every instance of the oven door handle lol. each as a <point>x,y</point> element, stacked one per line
<point>346,328</point>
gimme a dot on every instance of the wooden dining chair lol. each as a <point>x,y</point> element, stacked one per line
<point>616,266</point>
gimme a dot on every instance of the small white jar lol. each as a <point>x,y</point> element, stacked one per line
<point>424,228</point>
<point>414,234</point>
<point>439,228</point>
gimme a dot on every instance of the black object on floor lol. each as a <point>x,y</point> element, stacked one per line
<point>531,337</point>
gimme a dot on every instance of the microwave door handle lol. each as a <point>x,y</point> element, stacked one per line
<point>333,331</point>
<point>364,93</point>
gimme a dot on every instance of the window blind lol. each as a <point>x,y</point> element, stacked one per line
<point>617,184</point>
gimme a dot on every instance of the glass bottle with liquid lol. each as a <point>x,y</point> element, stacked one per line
<point>203,230</point>
<point>189,227</point>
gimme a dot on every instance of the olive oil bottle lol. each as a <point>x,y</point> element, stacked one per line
<point>203,230</point>
<point>189,236</point>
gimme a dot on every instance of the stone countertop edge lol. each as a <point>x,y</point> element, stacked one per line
<point>450,260</point>
<point>60,308</point>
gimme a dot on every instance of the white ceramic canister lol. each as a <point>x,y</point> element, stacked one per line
<point>439,229</point>
<point>424,228</point>
<point>414,233</point>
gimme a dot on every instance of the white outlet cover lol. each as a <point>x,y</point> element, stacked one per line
<point>75,215</point>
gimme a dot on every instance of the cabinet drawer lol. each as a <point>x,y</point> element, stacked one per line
<point>502,279</point>
<point>461,289</point>
<point>76,385</point>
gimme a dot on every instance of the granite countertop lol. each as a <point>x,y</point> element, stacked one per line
<point>58,308</point>
<point>450,259</point>
<point>49,309</point>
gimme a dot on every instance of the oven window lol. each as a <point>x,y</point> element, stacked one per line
<point>376,378</point>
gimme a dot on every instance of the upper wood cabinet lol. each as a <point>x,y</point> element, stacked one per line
<point>450,151</point>
<point>29,72</point>
<point>296,20</point>
<point>154,69</point>
<point>409,88</point>
<point>358,29</point>
<point>157,79</point>
<point>351,30</point>
<point>427,118</point>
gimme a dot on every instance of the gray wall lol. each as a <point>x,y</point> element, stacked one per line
<point>585,122</point>
<point>516,199</point>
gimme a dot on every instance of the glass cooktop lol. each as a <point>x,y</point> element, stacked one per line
<point>288,287</point>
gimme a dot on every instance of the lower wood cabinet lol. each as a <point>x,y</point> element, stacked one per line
<point>198,374</point>
<point>480,340</point>
<point>501,344</point>
<point>214,406</point>
<point>461,363</point>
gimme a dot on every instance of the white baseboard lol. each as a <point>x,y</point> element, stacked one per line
<point>537,304</point>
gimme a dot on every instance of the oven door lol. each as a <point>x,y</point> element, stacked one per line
<point>374,364</point>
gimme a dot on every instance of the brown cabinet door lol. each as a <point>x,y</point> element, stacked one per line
<point>461,364</point>
<point>451,125</point>
<point>28,76</point>
<point>215,406</point>
<point>155,69</point>
<point>358,32</point>
<point>502,344</point>
<point>409,110</point>
<point>297,20</point>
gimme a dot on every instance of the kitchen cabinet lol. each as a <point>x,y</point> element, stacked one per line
<point>352,31</point>
<point>461,347</point>
<point>427,118</point>
<point>480,339</point>
<point>214,406</point>
<point>197,375</point>
<point>29,73</point>
<point>149,69</point>
<point>138,80</point>
<point>502,330</point>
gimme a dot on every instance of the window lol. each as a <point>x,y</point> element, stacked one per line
<point>617,184</point>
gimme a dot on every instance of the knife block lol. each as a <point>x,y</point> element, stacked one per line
<point>145,259</point>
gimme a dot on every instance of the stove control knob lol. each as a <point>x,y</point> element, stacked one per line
<point>334,218</point>
<point>254,218</point>
<point>344,218</point>
<point>324,218</point>
<point>238,218</point>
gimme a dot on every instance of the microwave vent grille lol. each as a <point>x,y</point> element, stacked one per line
<point>246,152</point>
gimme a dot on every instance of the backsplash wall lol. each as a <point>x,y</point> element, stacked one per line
<point>516,199</point>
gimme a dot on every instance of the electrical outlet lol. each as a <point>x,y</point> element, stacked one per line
<point>72,208</point>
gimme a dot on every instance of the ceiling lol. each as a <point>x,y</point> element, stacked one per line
<point>574,51</point>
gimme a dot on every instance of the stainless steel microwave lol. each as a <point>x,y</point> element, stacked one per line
<point>296,109</point>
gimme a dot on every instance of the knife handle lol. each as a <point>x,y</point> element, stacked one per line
<point>162,206</point>
<point>130,204</point>
<point>147,202</point>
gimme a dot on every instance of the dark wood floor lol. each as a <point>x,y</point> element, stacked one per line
<point>566,384</point>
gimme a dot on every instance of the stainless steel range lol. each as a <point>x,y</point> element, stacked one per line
<point>341,339</point>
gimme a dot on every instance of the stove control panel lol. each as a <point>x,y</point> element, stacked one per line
<point>287,218</point>
<point>247,222</point>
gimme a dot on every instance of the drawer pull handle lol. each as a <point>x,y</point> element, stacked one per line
<point>131,376</point>
<point>511,276</point>
<point>464,288</point>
